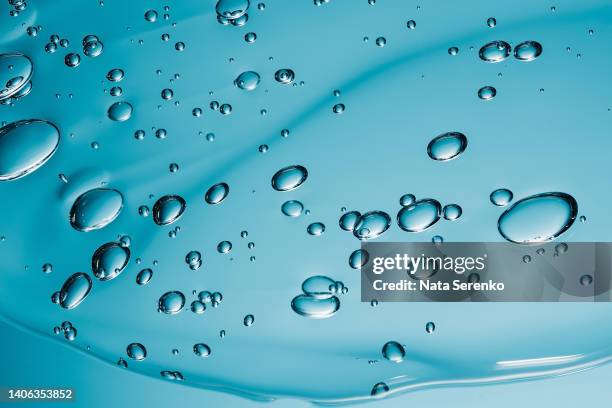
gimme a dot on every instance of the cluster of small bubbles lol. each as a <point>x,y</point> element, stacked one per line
<point>250,37</point>
<point>248,80</point>
<point>224,247</point>
<point>216,193</point>
<point>487,93</point>
<point>284,76</point>
<point>501,197</point>
<point>120,111</point>
<point>136,351</point>
<point>379,389</point>
<point>193,260</point>
<point>292,208</point>
<point>381,41</point>
<point>447,146</point>
<point>528,51</point>
<point>144,276</point>
<point>538,218</point>
<point>17,7</point>
<point>316,228</point>
<point>393,351</point>
<point>318,300</point>
<point>69,331</point>
<point>230,10</point>
<point>201,350</point>
<point>109,260</point>
<point>359,258</point>
<point>150,16</point>
<point>491,22</point>
<point>371,225</point>
<point>171,302</point>
<point>411,24</point>
<point>420,215</point>
<point>33,31</point>
<point>349,220</point>
<point>586,280</point>
<point>92,46</point>
<point>452,212</point>
<point>453,51</point>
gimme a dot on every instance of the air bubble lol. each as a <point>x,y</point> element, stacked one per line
<point>447,146</point>
<point>292,208</point>
<point>26,145</point>
<point>171,302</point>
<point>217,193</point>
<point>109,260</point>
<point>501,197</point>
<point>538,218</point>
<point>168,209</point>
<point>95,209</point>
<point>420,215</point>
<point>289,178</point>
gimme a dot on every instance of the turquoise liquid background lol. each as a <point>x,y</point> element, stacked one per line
<point>397,98</point>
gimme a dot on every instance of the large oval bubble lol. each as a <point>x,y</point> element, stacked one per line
<point>26,145</point>
<point>95,209</point>
<point>538,218</point>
